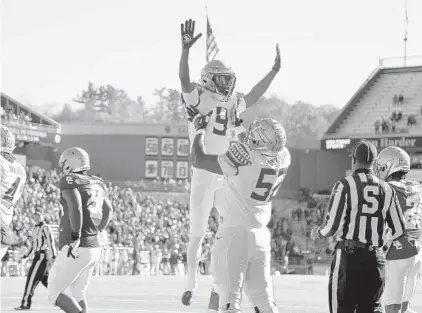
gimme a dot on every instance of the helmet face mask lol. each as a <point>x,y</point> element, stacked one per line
<point>391,160</point>
<point>266,136</point>
<point>73,160</point>
<point>219,79</point>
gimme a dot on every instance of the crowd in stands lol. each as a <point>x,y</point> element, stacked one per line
<point>388,124</point>
<point>149,234</point>
<point>8,112</point>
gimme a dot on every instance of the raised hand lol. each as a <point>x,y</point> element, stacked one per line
<point>277,62</point>
<point>188,34</point>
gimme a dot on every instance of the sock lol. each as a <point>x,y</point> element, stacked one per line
<point>68,304</point>
<point>193,254</point>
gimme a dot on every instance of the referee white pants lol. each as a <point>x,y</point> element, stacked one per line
<point>242,258</point>
<point>73,275</point>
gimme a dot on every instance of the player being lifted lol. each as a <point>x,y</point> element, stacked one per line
<point>13,179</point>
<point>253,172</point>
<point>214,93</point>
<point>86,212</point>
<point>404,257</point>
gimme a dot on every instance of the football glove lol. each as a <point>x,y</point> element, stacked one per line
<point>188,34</point>
<point>191,112</point>
<point>73,249</point>
<point>201,121</point>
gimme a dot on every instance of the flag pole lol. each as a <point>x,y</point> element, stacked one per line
<point>406,21</point>
<point>206,37</point>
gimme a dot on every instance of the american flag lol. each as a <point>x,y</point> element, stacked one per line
<point>212,48</point>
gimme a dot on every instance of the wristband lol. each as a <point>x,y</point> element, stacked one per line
<point>74,235</point>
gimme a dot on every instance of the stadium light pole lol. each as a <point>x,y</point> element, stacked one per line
<point>406,22</point>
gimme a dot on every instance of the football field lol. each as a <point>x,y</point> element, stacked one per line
<point>294,294</point>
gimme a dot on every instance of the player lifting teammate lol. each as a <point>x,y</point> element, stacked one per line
<point>404,257</point>
<point>13,179</point>
<point>253,172</point>
<point>86,212</point>
<point>214,92</point>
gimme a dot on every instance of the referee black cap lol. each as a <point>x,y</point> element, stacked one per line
<point>364,152</point>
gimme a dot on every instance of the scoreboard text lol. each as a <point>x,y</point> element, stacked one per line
<point>167,157</point>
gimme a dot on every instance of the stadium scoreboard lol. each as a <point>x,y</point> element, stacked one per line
<point>167,157</point>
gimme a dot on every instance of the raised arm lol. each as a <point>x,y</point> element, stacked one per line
<point>188,40</point>
<point>202,160</point>
<point>258,91</point>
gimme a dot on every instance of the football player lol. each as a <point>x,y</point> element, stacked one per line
<point>13,179</point>
<point>86,212</point>
<point>253,171</point>
<point>214,92</point>
<point>404,256</point>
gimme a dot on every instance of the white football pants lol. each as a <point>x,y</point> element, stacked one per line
<point>401,279</point>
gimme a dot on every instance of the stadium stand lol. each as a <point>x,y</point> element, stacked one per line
<point>379,99</point>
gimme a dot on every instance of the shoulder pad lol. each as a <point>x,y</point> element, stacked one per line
<point>72,181</point>
<point>239,154</point>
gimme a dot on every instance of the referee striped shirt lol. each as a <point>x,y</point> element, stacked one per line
<point>362,208</point>
<point>43,240</point>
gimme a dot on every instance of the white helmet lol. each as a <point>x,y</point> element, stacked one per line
<point>74,160</point>
<point>7,140</point>
<point>267,136</point>
<point>218,78</point>
<point>391,160</point>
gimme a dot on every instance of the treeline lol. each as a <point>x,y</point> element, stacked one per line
<point>107,104</point>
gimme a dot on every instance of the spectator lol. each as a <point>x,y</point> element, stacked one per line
<point>400,100</point>
<point>377,125</point>
<point>411,120</point>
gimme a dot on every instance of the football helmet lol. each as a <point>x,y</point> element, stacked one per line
<point>267,136</point>
<point>218,78</point>
<point>74,160</point>
<point>7,140</point>
<point>391,160</point>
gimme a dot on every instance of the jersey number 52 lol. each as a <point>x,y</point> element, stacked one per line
<point>95,203</point>
<point>270,186</point>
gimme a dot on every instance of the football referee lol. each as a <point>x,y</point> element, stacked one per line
<point>361,209</point>
<point>44,249</point>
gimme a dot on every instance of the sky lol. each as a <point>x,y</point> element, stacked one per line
<point>50,49</point>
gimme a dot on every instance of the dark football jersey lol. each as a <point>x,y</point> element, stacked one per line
<point>92,191</point>
<point>410,197</point>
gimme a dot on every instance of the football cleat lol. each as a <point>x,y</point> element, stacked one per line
<point>22,308</point>
<point>187,297</point>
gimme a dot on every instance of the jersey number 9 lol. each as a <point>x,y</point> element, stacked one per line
<point>221,118</point>
<point>95,203</point>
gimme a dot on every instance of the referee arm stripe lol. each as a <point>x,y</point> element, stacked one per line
<point>50,240</point>
<point>395,218</point>
<point>336,208</point>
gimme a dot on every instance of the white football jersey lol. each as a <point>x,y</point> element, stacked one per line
<point>250,182</point>
<point>216,140</point>
<point>13,179</point>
